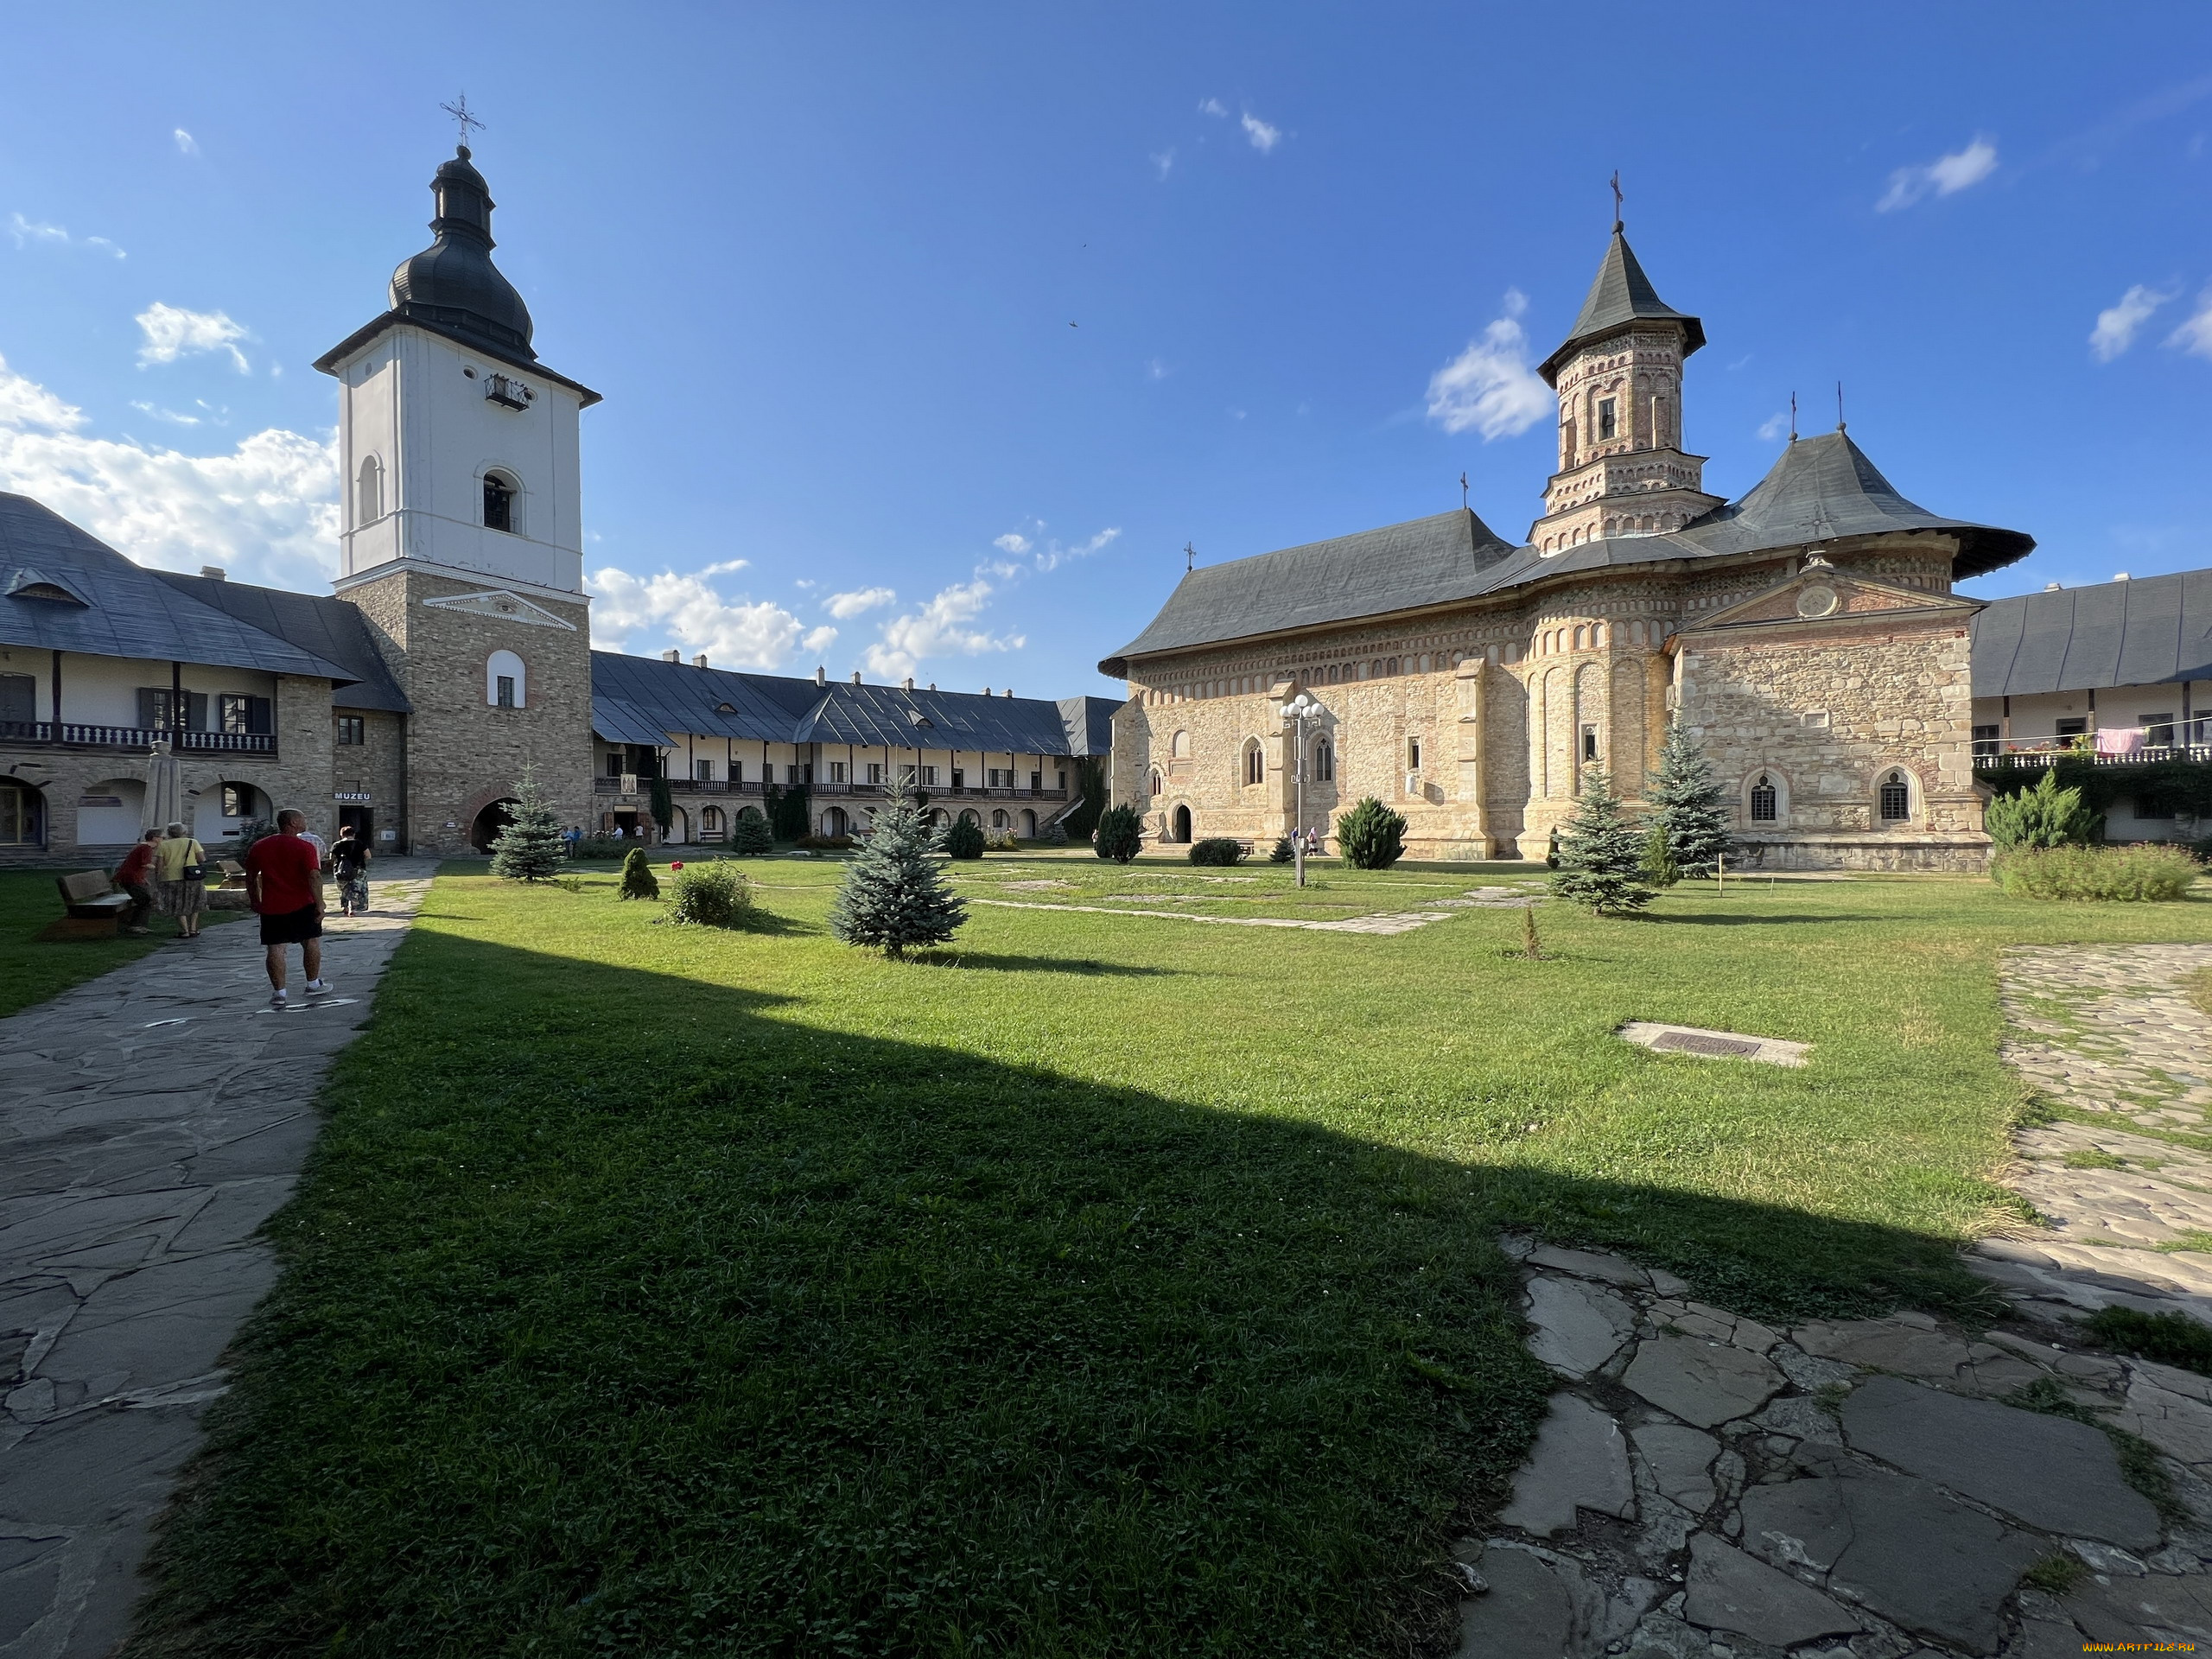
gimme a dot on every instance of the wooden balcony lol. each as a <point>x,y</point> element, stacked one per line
<point>72,734</point>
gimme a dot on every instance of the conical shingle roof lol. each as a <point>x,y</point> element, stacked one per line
<point>1621,295</point>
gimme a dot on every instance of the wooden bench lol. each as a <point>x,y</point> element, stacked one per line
<point>91,906</point>
<point>233,873</point>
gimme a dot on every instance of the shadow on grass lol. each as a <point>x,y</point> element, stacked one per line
<point>1004,964</point>
<point>1671,920</point>
<point>622,1312</point>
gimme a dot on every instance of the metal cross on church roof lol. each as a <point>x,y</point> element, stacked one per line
<point>459,110</point>
<point>1616,198</point>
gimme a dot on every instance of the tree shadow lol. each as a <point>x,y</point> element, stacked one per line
<point>1671,919</point>
<point>625,1310</point>
<point>993,962</point>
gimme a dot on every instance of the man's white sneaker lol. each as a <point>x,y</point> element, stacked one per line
<point>276,1000</point>
<point>318,988</point>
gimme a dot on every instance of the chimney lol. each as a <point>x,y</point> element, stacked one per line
<point>1009,690</point>
<point>212,572</point>
<point>986,690</point>
<point>821,675</point>
<point>856,677</point>
<point>671,655</point>
<point>932,685</point>
<point>910,683</point>
<point>700,661</point>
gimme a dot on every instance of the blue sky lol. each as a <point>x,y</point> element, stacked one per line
<point>956,323</point>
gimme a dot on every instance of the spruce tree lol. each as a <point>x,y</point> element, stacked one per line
<point>638,880</point>
<point>895,895</point>
<point>750,835</point>
<point>1601,851</point>
<point>529,848</point>
<point>1689,806</point>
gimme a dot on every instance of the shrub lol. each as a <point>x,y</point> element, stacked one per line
<point>2120,874</point>
<point>661,802</point>
<point>750,835</point>
<point>1001,841</point>
<point>962,838</point>
<point>1601,853</point>
<point>713,895</point>
<point>1217,849</point>
<point>2045,816</point>
<point>2201,849</point>
<point>824,843</point>
<point>529,848</point>
<point>1120,836</point>
<point>1054,834</point>
<point>638,880</point>
<point>1281,852</point>
<point>1688,810</point>
<point>1371,836</point>
<point>893,894</point>
<point>603,847</point>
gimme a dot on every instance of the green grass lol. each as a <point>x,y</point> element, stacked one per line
<point>1102,1286</point>
<point>2169,1339</point>
<point>33,970</point>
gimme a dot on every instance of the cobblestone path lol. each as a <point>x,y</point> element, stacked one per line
<point>150,1121</point>
<point>2122,1163</point>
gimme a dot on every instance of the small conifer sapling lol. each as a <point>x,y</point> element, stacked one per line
<point>529,848</point>
<point>638,880</point>
<point>894,897</point>
<point>1601,851</point>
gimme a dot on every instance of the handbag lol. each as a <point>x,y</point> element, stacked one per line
<point>195,871</point>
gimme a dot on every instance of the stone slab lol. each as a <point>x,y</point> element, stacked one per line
<point>1681,1462</point>
<point>1581,1461</point>
<point>1713,1045</point>
<point>1578,1327</point>
<point>2048,1471</point>
<point>1731,1591</point>
<point>1700,1383</point>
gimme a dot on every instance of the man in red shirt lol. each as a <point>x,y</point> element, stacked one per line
<point>283,881</point>
<point>131,875</point>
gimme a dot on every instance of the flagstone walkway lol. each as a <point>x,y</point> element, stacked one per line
<point>150,1121</point>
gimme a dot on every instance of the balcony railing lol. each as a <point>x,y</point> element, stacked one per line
<point>615,785</point>
<point>2003,754</point>
<point>75,735</point>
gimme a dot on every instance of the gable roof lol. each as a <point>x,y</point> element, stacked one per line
<point>1621,297</point>
<point>333,629</point>
<point>645,699</point>
<point>126,609</point>
<point>2148,633</point>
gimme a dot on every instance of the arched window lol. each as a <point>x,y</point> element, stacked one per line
<point>499,493</point>
<point>710,820</point>
<point>1256,762</point>
<point>1325,761</point>
<point>504,678</point>
<point>1152,785</point>
<point>1895,798</point>
<point>368,496</point>
<point>998,819</point>
<point>1763,801</point>
<point>1179,746</point>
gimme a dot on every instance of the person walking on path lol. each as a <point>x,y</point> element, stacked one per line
<point>180,868</point>
<point>133,875</point>
<point>283,882</point>
<point>349,863</point>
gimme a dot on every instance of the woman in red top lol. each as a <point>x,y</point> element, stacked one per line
<point>283,881</point>
<point>134,876</point>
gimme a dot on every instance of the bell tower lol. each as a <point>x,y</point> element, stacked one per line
<point>1622,468</point>
<point>461,531</point>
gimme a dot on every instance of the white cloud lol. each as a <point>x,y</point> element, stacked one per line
<point>2194,335</point>
<point>172,332</point>
<point>685,611</point>
<point>2115,329</point>
<point>1213,106</point>
<point>266,510</point>
<point>1054,555</point>
<point>844,607</point>
<point>1263,137</point>
<point>1490,388</point>
<point>820,640</point>
<point>28,232</point>
<point>186,144</point>
<point>1164,160</point>
<point>726,566</point>
<point>943,627</point>
<point>1156,369</point>
<point>1775,427</point>
<point>1946,176</point>
<point>161,414</point>
<point>1012,542</point>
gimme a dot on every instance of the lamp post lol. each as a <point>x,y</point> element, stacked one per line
<point>1297,715</point>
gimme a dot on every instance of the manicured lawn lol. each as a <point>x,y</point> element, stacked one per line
<point>1106,1286</point>
<point>31,970</point>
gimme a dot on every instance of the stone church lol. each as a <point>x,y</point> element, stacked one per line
<point>1806,634</point>
<point>454,650</point>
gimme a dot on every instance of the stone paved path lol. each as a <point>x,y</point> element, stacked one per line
<point>150,1121</point>
<point>1706,1487</point>
<point>2109,1039</point>
<point>1432,910</point>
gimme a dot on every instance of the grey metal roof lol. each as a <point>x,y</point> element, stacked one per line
<point>1089,723</point>
<point>1821,489</point>
<point>1825,488</point>
<point>1401,567</point>
<point>322,624</point>
<point>2146,632</point>
<point>129,611</point>
<point>645,699</point>
<point>1621,297</point>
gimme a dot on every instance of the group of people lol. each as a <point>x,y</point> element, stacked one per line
<point>168,870</point>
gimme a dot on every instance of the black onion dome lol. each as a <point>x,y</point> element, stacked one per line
<point>452,284</point>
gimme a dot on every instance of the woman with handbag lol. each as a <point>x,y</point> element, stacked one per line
<point>179,870</point>
<point>349,862</point>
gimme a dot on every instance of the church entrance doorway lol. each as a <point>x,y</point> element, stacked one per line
<point>1181,822</point>
<point>492,819</point>
<point>361,819</point>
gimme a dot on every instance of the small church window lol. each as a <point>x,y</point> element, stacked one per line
<point>1764,800</point>
<point>1153,784</point>
<point>1589,743</point>
<point>1412,754</point>
<point>1896,798</point>
<point>506,683</point>
<point>1325,762</point>
<point>506,693</point>
<point>1608,418</point>
<point>499,502</point>
<point>1255,763</point>
<point>369,499</point>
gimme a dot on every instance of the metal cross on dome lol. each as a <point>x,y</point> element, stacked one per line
<point>459,110</point>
